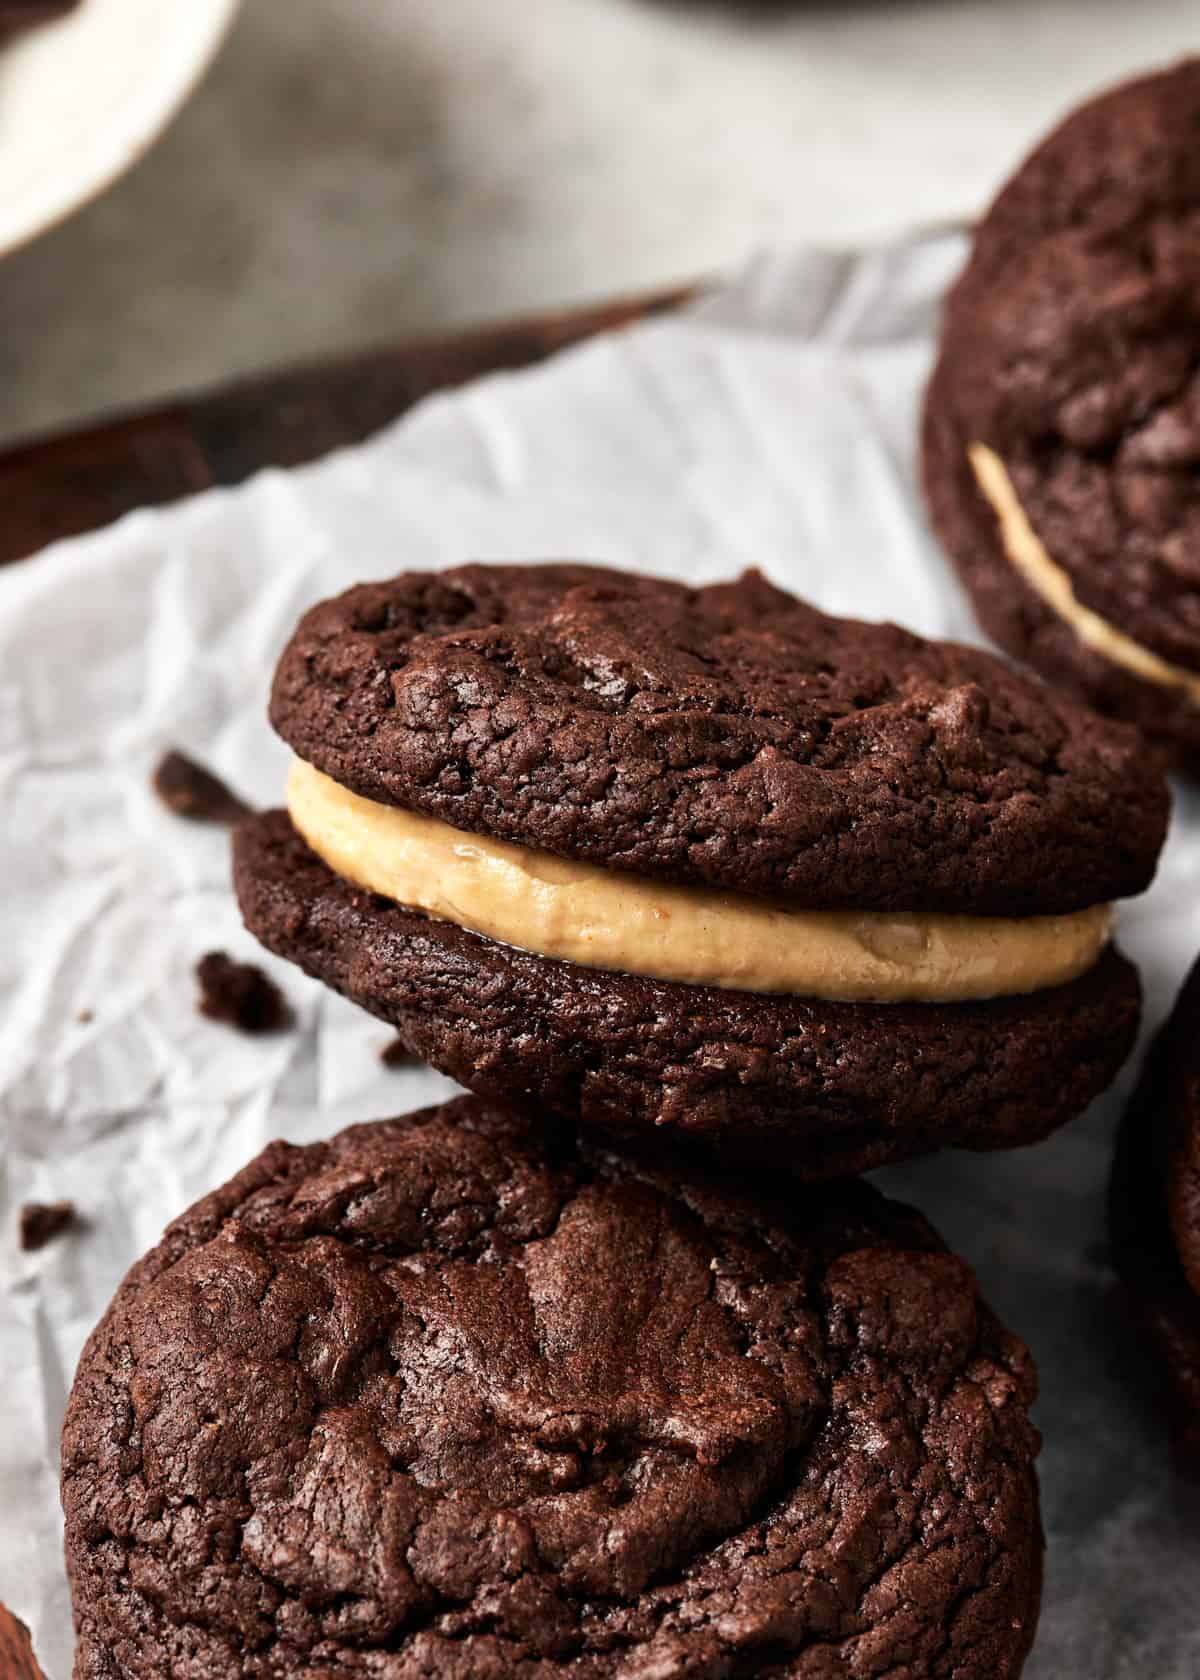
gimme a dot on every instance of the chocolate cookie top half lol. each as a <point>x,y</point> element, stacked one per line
<point>1071,349</point>
<point>730,736</point>
<point>439,1397</point>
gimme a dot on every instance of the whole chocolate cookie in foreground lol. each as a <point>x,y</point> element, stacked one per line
<point>452,1396</point>
<point>706,858</point>
<point>1155,1206</point>
<point>1062,423</point>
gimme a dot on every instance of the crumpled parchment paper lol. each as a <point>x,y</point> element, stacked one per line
<point>774,425</point>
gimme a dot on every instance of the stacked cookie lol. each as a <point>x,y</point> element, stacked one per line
<point>705,861</point>
<point>608,1369</point>
<point>708,875</point>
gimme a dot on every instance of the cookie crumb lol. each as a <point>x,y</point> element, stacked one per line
<point>241,995</point>
<point>398,1055</point>
<point>41,1222</point>
<point>191,791</point>
<point>85,1017</point>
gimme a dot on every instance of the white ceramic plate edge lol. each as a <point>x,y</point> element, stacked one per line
<point>116,133</point>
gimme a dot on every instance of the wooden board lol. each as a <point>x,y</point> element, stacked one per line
<point>64,485</point>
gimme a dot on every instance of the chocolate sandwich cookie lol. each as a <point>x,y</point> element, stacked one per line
<point>1062,423</point>
<point>449,1396</point>
<point>707,858</point>
<point>1155,1205</point>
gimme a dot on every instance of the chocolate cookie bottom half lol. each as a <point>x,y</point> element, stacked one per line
<point>822,1088</point>
<point>449,1396</point>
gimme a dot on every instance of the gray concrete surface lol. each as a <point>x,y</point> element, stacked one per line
<point>355,170</point>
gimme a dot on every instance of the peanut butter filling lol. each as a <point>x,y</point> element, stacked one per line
<point>1027,553</point>
<point>599,918</point>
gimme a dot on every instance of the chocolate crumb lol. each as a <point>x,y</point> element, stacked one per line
<point>41,1222</point>
<point>191,791</point>
<point>241,995</point>
<point>398,1055</point>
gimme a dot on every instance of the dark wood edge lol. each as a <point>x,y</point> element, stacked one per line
<point>66,484</point>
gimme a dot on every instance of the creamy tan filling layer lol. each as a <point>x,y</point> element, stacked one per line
<point>601,919</point>
<point>1027,553</point>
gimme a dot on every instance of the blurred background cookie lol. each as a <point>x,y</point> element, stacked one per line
<point>1062,424</point>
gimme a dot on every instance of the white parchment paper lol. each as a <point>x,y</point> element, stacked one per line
<point>773,426</point>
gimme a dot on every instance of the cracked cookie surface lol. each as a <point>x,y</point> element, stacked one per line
<point>1071,348</point>
<point>729,735</point>
<point>448,1397</point>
